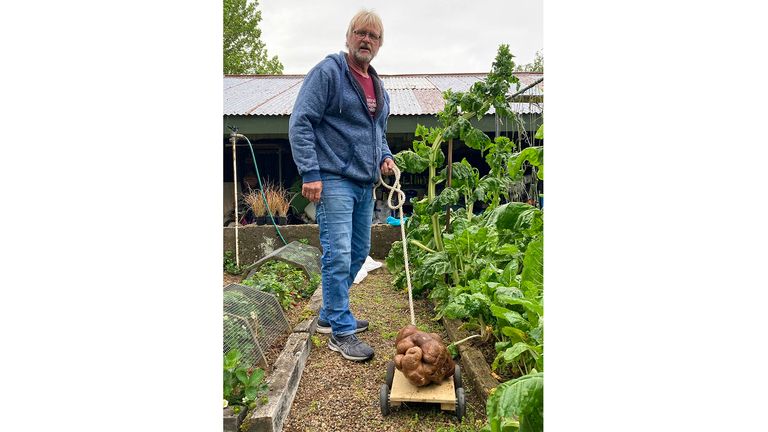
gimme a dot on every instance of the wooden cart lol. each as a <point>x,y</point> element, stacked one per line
<point>449,393</point>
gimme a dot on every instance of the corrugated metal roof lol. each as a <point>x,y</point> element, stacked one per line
<point>409,94</point>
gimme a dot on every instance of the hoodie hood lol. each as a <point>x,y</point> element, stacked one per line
<point>341,60</point>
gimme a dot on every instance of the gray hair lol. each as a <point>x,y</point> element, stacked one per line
<point>366,18</point>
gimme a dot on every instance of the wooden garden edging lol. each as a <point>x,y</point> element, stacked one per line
<point>284,380</point>
<point>473,362</point>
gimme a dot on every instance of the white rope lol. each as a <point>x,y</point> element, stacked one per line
<point>395,188</point>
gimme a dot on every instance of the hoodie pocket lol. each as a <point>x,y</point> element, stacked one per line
<point>350,159</point>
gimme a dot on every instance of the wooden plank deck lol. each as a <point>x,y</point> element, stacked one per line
<point>403,391</point>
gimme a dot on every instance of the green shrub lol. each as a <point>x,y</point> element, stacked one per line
<point>230,265</point>
<point>286,282</point>
<point>242,385</point>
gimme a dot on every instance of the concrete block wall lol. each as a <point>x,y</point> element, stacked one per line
<point>257,241</point>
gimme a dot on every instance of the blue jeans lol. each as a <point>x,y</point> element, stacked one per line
<point>344,216</point>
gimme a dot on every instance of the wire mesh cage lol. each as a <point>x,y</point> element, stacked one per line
<point>253,323</point>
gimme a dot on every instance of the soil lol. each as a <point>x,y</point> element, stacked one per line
<point>230,279</point>
<point>488,350</point>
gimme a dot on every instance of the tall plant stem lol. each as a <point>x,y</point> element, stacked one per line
<point>431,187</point>
<point>466,339</point>
<point>421,246</point>
<point>436,230</point>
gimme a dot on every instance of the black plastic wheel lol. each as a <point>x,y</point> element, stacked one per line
<point>457,377</point>
<point>390,373</point>
<point>460,403</point>
<point>384,399</point>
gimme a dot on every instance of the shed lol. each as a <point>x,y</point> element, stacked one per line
<point>259,106</point>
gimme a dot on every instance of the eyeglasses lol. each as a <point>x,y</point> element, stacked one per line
<point>361,34</point>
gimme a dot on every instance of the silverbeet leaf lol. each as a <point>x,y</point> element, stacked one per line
<point>410,162</point>
<point>521,399</point>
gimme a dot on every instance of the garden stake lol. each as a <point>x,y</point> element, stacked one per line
<point>237,220</point>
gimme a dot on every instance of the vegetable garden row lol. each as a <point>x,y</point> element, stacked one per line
<point>485,269</point>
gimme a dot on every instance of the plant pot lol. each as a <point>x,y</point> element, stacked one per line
<point>281,220</point>
<point>233,421</point>
<point>262,220</point>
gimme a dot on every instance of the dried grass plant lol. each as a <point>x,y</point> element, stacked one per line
<point>255,202</point>
<point>277,199</point>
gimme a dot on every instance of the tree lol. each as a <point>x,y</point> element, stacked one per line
<point>244,52</point>
<point>536,66</point>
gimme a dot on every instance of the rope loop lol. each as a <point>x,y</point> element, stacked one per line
<point>395,189</point>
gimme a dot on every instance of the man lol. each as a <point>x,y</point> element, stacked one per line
<point>338,138</point>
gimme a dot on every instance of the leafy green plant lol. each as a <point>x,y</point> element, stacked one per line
<point>286,282</point>
<point>230,265</point>
<point>517,405</point>
<point>487,269</point>
<point>242,385</point>
<point>235,326</point>
<point>316,341</point>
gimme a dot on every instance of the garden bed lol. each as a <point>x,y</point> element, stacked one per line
<point>295,314</point>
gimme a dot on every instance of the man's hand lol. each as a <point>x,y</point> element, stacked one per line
<point>388,167</point>
<point>312,190</point>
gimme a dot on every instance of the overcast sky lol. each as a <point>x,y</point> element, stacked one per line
<point>421,36</point>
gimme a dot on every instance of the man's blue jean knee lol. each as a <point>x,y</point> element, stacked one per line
<point>344,216</point>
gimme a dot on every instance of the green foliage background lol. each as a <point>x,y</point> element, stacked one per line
<point>244,52</point>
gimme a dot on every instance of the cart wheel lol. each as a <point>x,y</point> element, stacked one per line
<point>390,373</point>
<point>460,404</point>
<point>457,377</point>
<point>384,399</point>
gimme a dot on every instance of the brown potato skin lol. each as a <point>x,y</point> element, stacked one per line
<point>422,357</point>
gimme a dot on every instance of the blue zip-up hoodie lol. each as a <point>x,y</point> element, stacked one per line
<point>331,129</point>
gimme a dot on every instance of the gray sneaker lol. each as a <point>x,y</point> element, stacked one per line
<point>350,347</point>
<point>324,327</point>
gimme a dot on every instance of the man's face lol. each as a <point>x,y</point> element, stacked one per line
<point>363,43</point>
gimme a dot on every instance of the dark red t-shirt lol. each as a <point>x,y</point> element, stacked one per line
<point>367,84</point>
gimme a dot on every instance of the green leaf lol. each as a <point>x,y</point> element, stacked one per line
<point>436,264</point>
<point>466,306</point>
<point>473,137</point>
<point>509,273</point>
<point>508,249</point>
<point>540,132</point>
<point>410,162</point>
<point>251,393</point>
<point>242,376</point>
<point>449,196</point>
<point>537,334</point>
<point>231,359</point>
<point>510,354</point>
<point>488,187</point>
<point>455,310</point>
<point>522,399</point>
<point>256,377</point>
<point>506,216</point>
<point>532,280</point>
<point>529,304</point>
<point>512,317</point>
<point>507,294</point>
<point>514,333</point>
<point>534,156</point>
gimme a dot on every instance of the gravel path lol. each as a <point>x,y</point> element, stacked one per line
<point>339,395</point>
